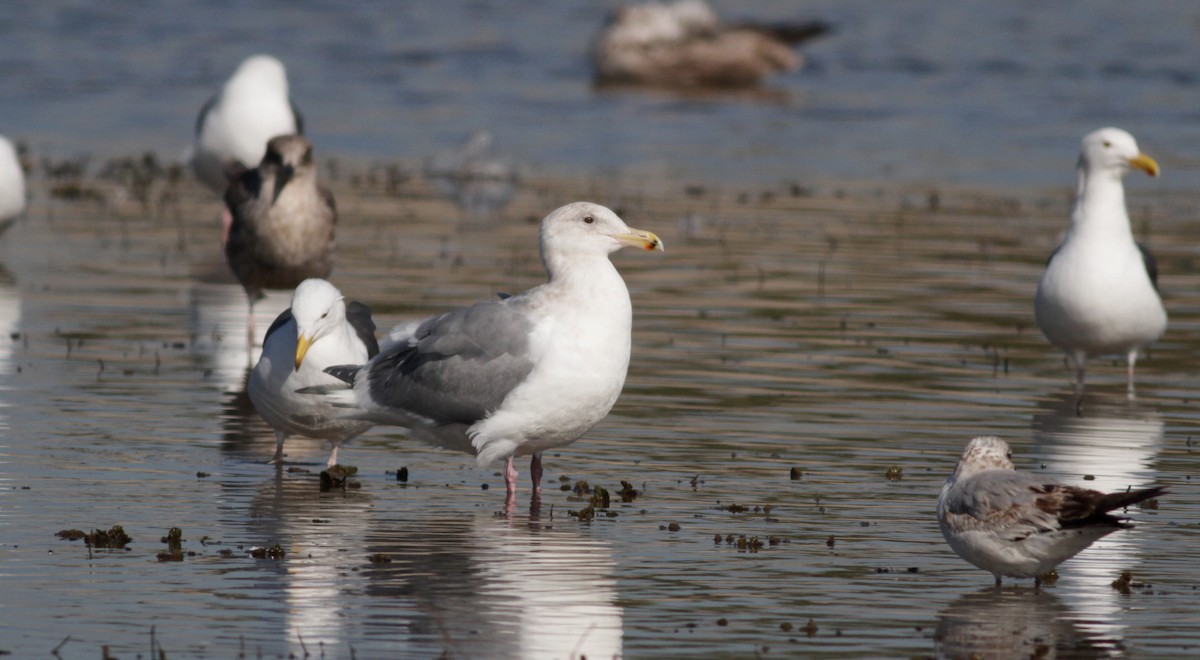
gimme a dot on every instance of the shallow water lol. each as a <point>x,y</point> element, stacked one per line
<point>971,92</point>
<point>838,334</point>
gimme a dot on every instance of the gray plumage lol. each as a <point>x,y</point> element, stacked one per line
<point>458,367</point>
<point>1022,525</point>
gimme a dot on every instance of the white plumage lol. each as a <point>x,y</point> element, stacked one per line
<point>12,185</point>
<point>234,126</point>
<point>522,374</point>
<point>318,331</point>
<point>1099,293</point>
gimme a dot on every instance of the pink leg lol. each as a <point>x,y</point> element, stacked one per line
<point>1080,360</point>
<point>250,332</point>
<point>535,473</point>
<point>510,477</point>
<point>226,223</point>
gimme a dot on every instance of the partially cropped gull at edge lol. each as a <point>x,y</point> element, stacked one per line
<point>519,375</point>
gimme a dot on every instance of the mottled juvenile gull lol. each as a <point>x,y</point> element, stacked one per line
<point>1099,294</point>
<point>682,44</point>
<point>1016,524</point>
<point>518,375</point>
<point>283,220</point>
<point>319,330</point>
<point>12,185</point>
<point>234,126</point>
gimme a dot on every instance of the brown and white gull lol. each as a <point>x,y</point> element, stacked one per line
<point>1017,524</point>
<point>283,222</point>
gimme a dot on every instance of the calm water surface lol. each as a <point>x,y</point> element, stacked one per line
<point>972,92</point>
<point>796,321</point>
<point>838,334</point>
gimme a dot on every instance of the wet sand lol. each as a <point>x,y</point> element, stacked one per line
<point>853,334</point>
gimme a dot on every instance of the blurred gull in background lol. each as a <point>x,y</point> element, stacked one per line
<point>12,185</point>
<point>684,45</point>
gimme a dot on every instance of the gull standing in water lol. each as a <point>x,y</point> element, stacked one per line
<point>519,375</point>
<point>1099,294</point>
<point>318,331</point>
<point>1016,524</point>
<point>283,221</point>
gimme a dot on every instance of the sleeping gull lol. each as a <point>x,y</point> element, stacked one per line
<point>12,185</point>
<point>518,375</point>
<point>319,330</point>
<point>683,44</point>
<point>234,126</point>
<point>1099,293</point>
<point>1015,524</point>
<point>282,230</point>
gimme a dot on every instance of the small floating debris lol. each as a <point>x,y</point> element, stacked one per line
<point>337,476</point>
<point>1048,578</point>
<point>811,628</point>
<point>895,473</point>
<point>174,541</point>
<point>831,541</point>
<point>585,514</point>
<point>274,552</point>
<point>1151,503</point>
<point>722,621</point>
<point>402,475</point>
<point>796,474</point>
<point>627,493</point>
<point>785,626</point>
<point>379,558</point>
<point>600,498</point>
<point>203,475</point>
<point>582,488</point>
<point>114,537</point>
<point>1123,582</point>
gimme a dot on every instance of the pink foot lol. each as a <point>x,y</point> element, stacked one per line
<point>226,223</point>
<point>510,477</point>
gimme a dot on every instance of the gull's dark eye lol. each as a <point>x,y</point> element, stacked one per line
<point>1008,455</point>
<point>325,315</point>
<point>587,220</point>
<point>1107,144</point>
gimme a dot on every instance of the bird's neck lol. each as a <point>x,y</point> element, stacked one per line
<point>1100,205</point>
<point>592,276</point>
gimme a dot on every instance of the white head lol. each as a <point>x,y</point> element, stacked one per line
<point>1113,151</point>
<point>986,452</point>
<point>259,74</point>
<point>318,309</point>
<point>582,230</point>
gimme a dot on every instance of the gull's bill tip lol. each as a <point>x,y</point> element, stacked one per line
<point>1145,164</point>
<point>640,238</point>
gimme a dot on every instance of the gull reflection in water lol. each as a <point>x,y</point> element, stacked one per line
<point>217,325</point>
<point>10,339</point>
<point>1015,623</point>
<point>1109,445</point>
<point>322,536</point>
<point>496,588</point>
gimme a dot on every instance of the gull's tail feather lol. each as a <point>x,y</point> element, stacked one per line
<point>344,372</point>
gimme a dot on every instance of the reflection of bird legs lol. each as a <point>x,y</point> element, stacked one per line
<point>1130,361</point>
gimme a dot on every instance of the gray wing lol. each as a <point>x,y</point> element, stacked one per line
<point>359,316</point>
<point>204,110</point>
<point>299,118</point>
<point>457,367</point>
<point>284,317</point>
<point>1151,264</point>
<point>997,493</point>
